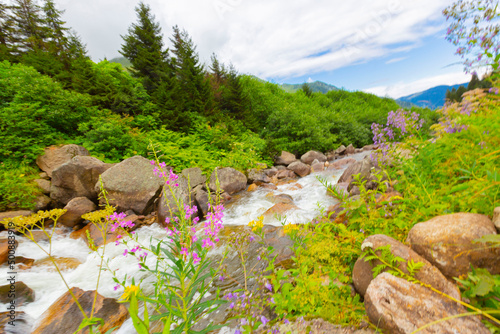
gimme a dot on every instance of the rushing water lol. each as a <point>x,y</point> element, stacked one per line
<point>243,208</point>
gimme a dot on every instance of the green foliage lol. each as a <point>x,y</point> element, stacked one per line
<point>36,112</point>
<point>144,49</point>
<point>17,189</point>
<point>317,285</point>
<point>482,289</point>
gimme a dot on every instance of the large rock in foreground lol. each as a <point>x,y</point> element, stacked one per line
<point>398,306</point>
<point>362,273</point>
<point>55,156</point>
<point>77,178</point>
<point>448,243</point>
<point>132,185</point>
<point>230,180</point>
<point>64,316</point>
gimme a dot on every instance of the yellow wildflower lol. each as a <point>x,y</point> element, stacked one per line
<point>257,225</point>
<point>129,291</point>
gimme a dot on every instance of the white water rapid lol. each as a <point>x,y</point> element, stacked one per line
<point>82,264</point>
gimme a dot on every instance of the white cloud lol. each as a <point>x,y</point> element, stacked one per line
<point>310,80</point>
<point>270,39</point>
<point>407,88</point>
<point>395,60</point>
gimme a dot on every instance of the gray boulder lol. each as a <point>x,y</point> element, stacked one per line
<point>362,273</point>
<point>359,167</point>
<point>132,185</point>
<point>75,208</point>
<point>55,156</point>
<point>172,199</point>
<point>448,243</point>
<point>285,158</point>
<point>77,178</point>
<point>300,168</point>
<point>194,176</point>
<point>310,156</point>
<point>398,306</point>
<point>230,180</point>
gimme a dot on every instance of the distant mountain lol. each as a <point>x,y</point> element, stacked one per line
<point>431,98</point>
<point>316,86</point>
<point>121,60</point>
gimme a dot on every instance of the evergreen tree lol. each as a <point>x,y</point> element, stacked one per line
<point>30,29</point>
<point>306,89</point>
<point>192,89</point>
<point>56,31</point>
<point>7,34</point>
<point>144,48</point>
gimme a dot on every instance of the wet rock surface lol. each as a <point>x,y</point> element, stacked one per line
<point>398,306</point>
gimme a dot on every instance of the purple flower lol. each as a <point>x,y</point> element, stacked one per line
<point>116,287</point>
<point>269,286</point>
<point>237,331</point>
<point>221,278</point>
<point>264,320</point>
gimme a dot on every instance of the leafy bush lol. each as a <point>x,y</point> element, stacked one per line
<point>17,189</point>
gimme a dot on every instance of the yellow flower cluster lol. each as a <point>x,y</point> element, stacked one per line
<point>291,228</point>
<point>257,225</point>
<point>22,223</point>
<point>131,290</point>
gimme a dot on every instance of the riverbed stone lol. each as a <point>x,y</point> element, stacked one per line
<point>63,316</point>
<point>257,176</point>
<point>166,205</point>
<point>362,167</point>
<point>7,245</point>
<point>132,185</point>
<point>300,168</point>
<point>310,156</point>
<point>341,163</point>
<point>285,158</point>
<point>75,208</point>
<point>18,291</point>
<point>23,322</point>
<point>195,176</point>
<point>44,185</point>
<point>230,180</point>
<point>77,178</point>
<point>318,167</point>
<point>496,218</point>
<point>448,243</point>
<point>350,149</point>
<point>55,156</point>
<point>340,150</point>
<point>42,202</point>
<point>398,306</point>
<point>362,273</point>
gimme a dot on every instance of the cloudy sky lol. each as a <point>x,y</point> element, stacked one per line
<point>387,47</point>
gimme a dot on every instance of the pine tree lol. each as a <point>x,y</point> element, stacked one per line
<point>193,94</point>
<point>7,34</point>
<point>56,31</point>
<point>306,89</point>
<point>144,48</point>
<point>30,30</point>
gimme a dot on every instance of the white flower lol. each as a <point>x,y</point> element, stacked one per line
<point>365,245</point>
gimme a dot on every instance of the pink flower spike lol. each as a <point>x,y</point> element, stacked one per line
<point>196,258</point>
<point>125,252</point>
<point>116,287</point>
<point>184,251</point>
<point>163,165</point>
<point>152,162</point>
